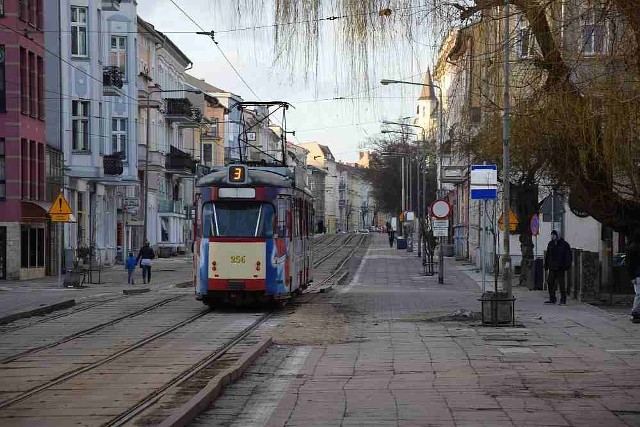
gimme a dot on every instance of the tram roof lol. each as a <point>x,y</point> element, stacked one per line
<point>262,176</point>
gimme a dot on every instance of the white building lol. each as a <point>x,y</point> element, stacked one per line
<point>95,115</point>
<point>166,150</point>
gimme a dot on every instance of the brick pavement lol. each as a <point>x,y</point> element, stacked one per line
<point>403,365</point>
<point>21,296</point>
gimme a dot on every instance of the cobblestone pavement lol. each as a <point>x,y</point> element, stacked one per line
<point>405,362</point>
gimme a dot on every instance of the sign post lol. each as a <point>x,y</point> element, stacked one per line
<point>484,187</point>
<point>60,212</point>
<point>441,209</point>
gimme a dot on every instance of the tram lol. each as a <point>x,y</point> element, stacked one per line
<point>252,234</point>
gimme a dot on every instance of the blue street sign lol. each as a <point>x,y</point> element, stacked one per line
<point>484,182</point>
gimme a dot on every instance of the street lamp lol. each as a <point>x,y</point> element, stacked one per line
<point>386,82</point>
<point>419,159</point>
<point>146,160</point>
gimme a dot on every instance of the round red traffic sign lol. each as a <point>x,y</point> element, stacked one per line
<point>440,209</point>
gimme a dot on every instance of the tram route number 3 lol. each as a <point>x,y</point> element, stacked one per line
<point>237,259</point>
<point>237,174</point>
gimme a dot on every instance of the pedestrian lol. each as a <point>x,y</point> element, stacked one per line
<point>557,261</point>
<point>145,255</point>
<point>632,260</point>
<point>130,266</point>
<point>391,234</point>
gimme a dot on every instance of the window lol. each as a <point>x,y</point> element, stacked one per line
<point>40,73</point>
<point>33,99</point>
<point>526,43</point>
<point>32,246</point>
<point>594,32</point>
<point>80,125</point>
<point>3,182</point>
<point>24,82</point>
<point>118,54</point>
<point>234,219</point>
<point>1,7</point>
<point>79,31</point>
<point>54,174</point>
<point>3,89</point>
<point>24,170</point>
<point>119,136</point>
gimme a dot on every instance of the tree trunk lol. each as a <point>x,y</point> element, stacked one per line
<point>525,200</point>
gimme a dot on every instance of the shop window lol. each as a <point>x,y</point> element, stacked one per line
<point>32,246</point>
<point>3,182</point>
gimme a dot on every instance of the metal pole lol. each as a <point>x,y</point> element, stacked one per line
<point>483,244</point>
<point>146,169</point>
<point>441,254</point>
<point>59,245</point>
<point>403,196</point>
<point>419,204</point>
<point>506,253</point>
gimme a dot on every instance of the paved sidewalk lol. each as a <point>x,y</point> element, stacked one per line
<point>18,298</point>
<point>405,363</point>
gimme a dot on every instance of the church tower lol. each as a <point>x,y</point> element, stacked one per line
<point>427,105</point>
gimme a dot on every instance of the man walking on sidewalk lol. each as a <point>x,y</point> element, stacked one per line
<point>557,261</point>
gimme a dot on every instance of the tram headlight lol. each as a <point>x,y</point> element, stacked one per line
<point>214,266</point>
<point>257,265</point>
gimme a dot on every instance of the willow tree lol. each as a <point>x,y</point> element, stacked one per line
<point>585,128</point>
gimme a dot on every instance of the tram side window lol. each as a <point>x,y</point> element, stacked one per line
<point>233,219</point>
<point>282,226</point>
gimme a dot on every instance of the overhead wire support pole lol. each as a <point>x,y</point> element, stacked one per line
<point>506,162</point>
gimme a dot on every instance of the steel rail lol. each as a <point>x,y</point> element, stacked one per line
<point>152,398</point>
<point>89,330</point>
<point>71,374</point>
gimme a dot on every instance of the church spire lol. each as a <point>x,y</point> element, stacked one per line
<point>427,91</point>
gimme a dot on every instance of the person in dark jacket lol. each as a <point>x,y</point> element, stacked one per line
<point>145,255</point>
<point>557,261</point>
<point>632,260</point>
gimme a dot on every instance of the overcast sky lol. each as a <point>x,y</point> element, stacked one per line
<point>342,125</point>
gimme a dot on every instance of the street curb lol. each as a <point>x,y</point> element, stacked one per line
<point>135,291</point>
<point>201,401</point>
<point>37,311</point>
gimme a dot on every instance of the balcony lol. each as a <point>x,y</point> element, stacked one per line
<point>182,112</point>
<point>111,5</point>
<point>111,81</point>
<point>171,206</point>
<point>179,162</point>
<point>112,164</point>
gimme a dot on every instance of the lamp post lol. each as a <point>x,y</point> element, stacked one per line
<point>385,82</point>
<point>146,154</point>
<point>418,164</point>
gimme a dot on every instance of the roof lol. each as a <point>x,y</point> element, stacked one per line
<point>427,89</point>
<point>201,84</point>
<point>166,41</point>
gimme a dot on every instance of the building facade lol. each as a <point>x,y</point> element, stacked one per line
<point>169,142</point>
<point>24,231</point>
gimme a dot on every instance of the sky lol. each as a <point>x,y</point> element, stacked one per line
<point>343,125</point>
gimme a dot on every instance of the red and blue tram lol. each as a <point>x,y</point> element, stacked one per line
<point>252,235</point>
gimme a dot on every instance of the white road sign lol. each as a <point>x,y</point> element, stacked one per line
<point>440,227</point>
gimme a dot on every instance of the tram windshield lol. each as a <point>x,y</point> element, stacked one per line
<point>238,219</point>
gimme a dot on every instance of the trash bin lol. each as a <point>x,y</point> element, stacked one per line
<point>401,243</point>
<point>537,275</point>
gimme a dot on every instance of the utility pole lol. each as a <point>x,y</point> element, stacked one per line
<point>506,164</point>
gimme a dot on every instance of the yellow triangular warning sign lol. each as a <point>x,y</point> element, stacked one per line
<point>513,221</point>
<point>60,206</point>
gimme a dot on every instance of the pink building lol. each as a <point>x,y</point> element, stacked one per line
<point>23,225</point>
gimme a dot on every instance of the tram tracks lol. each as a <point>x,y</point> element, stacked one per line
<point>88,331</point>
<point>89,379</point>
